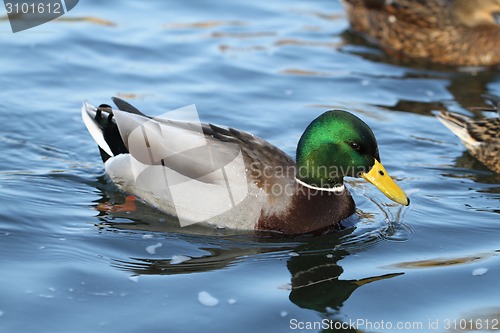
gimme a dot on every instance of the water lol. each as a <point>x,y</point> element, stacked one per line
<point>267,67</point>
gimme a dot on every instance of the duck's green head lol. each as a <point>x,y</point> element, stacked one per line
<point>339,144</point>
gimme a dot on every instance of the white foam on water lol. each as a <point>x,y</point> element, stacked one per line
<point>179,259</point>
<point>479,271</point>
<point>206,299</point>
<point>151,249</point>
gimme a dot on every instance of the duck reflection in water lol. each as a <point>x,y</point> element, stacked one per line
<point>316,282</point>
<point>315,271</point>
<point>313,262</point>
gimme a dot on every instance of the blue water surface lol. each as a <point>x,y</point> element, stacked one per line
<point>269,68</point>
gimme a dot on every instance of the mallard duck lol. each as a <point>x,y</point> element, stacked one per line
<point>481,137</point>
<point>450,32</point>
<point>229,178</point>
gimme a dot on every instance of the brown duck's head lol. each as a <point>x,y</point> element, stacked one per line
<point>473,13</point>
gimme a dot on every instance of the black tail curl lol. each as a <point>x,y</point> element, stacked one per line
<point>110,131</point>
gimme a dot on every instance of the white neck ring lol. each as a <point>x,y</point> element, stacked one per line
<point>337,189</point>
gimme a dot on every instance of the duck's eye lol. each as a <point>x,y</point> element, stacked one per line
<point>354,145</point>
<point>496,16</point>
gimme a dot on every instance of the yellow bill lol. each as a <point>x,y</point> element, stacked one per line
<point>381,180</point>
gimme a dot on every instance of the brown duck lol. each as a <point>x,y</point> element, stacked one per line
<point>481,137</point>
<point>450,32</point>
